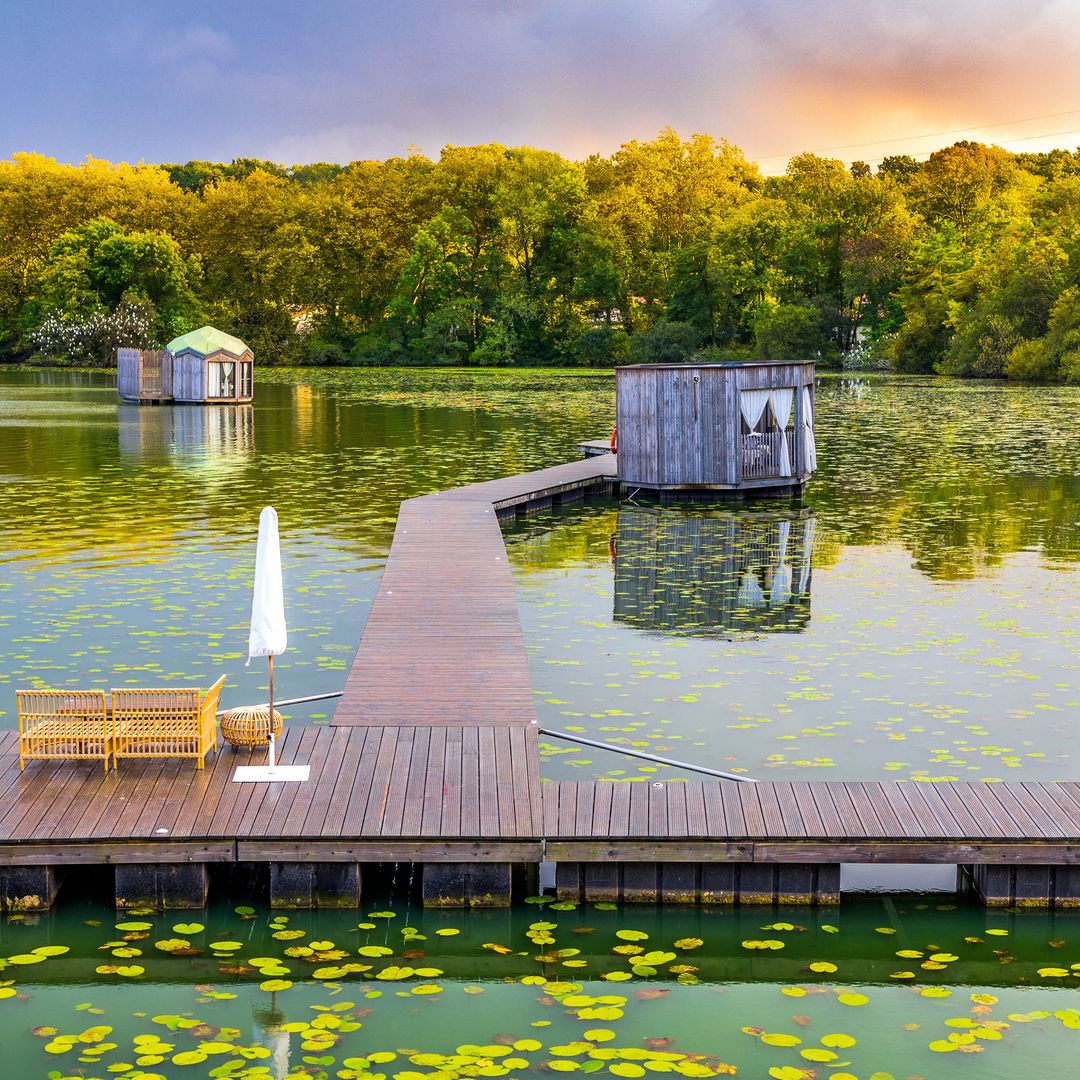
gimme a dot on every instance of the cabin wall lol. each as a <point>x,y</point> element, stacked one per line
<point>189,377</point>
<point>127,373</point>
<point>680,424</point>
<point>637,417</point>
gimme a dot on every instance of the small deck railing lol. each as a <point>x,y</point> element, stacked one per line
<point>761,454</point>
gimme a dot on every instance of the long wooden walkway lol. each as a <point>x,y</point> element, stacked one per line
<point>432,758</point>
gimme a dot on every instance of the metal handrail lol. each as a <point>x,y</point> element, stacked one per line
<point>556,735</point>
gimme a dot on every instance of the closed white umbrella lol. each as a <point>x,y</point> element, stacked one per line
<point>268,635</point>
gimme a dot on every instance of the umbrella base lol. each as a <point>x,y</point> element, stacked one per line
<point>248,774</point>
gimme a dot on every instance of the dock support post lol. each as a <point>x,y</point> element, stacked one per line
<point>1025,886</point>
<point>699,883</point>
<point>473,885</point>
<point>162,886</point>
<point>314,885</point>
<point>28,888</point>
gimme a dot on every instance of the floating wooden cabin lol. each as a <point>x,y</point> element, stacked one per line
<point>716,427</point>
<point>205,366</point>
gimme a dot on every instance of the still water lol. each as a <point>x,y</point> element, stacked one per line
<point>881,989</point>
<point>915,615</point>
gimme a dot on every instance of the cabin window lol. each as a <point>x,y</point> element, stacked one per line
<point>221,379</point>
<point>766,416</point>
<point>245,380</point>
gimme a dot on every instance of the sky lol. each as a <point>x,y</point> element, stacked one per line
<point>340,80</point>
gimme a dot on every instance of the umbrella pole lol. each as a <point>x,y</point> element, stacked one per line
<point>273,748</point>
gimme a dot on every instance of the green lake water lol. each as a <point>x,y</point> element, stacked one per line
<point>915,615</point>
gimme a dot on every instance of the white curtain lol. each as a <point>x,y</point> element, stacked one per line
<point>781,406</point>
<point>751,594</point>
<point>783,531</point>
<point>807,555</point>
<point>780,593</point>
<point>752,404</point>
<point>809,445</point>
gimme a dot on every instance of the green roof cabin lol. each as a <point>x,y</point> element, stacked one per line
<point>204,366</point>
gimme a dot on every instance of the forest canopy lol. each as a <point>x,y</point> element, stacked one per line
<point>965,264</point>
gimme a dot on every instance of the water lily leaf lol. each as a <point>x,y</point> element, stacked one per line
<point>839,1041</point>
<point>597,1035</point>
<point>780,1039</point>
<point>812,1053</point>
<point>849,998</point>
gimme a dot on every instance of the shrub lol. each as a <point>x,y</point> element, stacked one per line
<point>95,339</point>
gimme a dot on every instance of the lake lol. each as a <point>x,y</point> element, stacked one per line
<point>915,615</point>
<point>936,633</point>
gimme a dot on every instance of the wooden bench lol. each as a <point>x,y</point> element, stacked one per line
<point>155,722</point>
<point>64,724</point>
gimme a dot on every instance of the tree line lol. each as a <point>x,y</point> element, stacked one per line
<point>965,264</point>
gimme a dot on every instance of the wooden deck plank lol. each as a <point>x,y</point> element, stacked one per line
<point>791,817</point>
<point>583,812</point>
<point>638,825</point>
<point>337,774</point>
<point>568,790</point>
<point>658,810</point>
<point>369,821</point>
<point>696,822</point>
<point>355,780</point>
<point>470,781</point>
<point>861,807</point>
<point>776,821</point>
<point>322,761</point>
<point>890,823</point>
<point>601,809</point>
<point>387,822</point>
<point>620,809</point>
<point>434,785</point>
<point>505,785</point>
<point>800,792</point>
<point>451,816</point>
<point>677,825</point>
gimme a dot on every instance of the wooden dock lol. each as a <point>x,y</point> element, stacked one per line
<point>432,759</point>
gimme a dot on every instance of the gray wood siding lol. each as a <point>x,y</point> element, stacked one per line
<point>144,374</point>
<point>189,377</point>
<point>680,424</point>
<point>127,373</point>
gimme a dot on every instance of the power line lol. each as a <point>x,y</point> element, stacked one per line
<point>929,135</point>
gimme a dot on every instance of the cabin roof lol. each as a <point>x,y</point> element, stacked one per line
<point>207,340</point>
<point>721,364</point>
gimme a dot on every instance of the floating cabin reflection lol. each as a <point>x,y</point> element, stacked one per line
<point>712,573</point>
<point>219,433</point>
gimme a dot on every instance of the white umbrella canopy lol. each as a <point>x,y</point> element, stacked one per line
<point>268,635</point>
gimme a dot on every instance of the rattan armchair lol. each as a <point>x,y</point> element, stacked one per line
<point>64,725</point>
<point>155,723</point>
